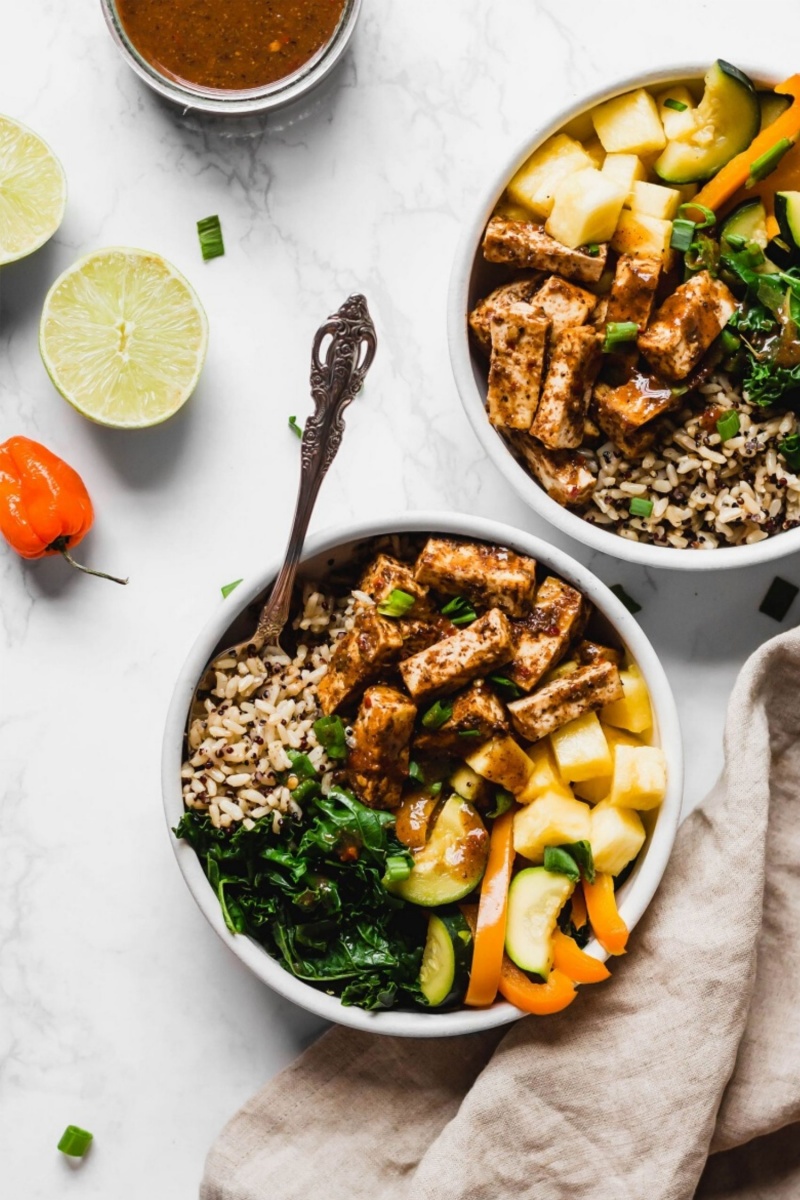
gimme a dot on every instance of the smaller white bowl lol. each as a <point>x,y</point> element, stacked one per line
<point>337,547</point>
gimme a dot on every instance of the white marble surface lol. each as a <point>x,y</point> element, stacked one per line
<point>119,1009</point>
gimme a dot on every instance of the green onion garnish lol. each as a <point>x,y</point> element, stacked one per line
<point>502,803</point>
<point>682,234</point>
<point>675,105</point>
<point>708,214</point>
<point>295,428</point>
<point>779,599</point>
<point>330,734</point>
<point>561,863</point>
<point>735,241</point>
<point>628,601</point>
<point>75,1141</point>
<point>506,685</point>
<point>618,333</point>
<point>469,733</point>
<point>415,772</point>
<point>303,790</point>
<point>227,588</point>
<point>766,163</point>
<point>398,868</point>
<point>460,611</point>
<point>639,507</point>
<point>302,766</point>
<point>209,232</point>
<point>728,425</point>
<point>396,604</point>
<point>437,715</point>
<point>435,788</point>
<point>593,249</point>
<point>729,342</point>
<point>755,254</point>
<point>790,449</point>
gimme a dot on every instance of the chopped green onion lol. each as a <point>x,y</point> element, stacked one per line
<point>729,342</point>
<point>639,507</point>
<point>506,685</point>
<point>331,736</point>
<point>779,599</point>
<point>675,105</point>
<point>593,249</point>
<point>209,232</point>
<point>435,788</point>
<point>295,428</point>
<point>582,853</point>
<point>728,425</point>
<point>305,789</point>
<point>75,1141</point>
<point>460,611</point>
<point>766,163</point>
<point>415,772</point>
<point>682,234</point>
<point>396,604</point>
<point>708,215</point>
<point>437,715</point>
<point>469,733</point>
<point>735,241</point>
<point>398,868</point>
<point>755,254</point>
<point>628,601</point>
<point>302,766</point>
<point>560,862</point>
<point>227,588</point>
<point>790,449</point>
<point>502,803</point>
<point>618,333</point>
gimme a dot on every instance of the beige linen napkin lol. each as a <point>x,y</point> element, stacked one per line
<point>691,1049</point>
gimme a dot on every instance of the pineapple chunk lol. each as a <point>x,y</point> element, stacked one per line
<point>545,777</point>
<point>676,124</point>
<point>626,169</point>
<point>640,777</point>
<point>633,711</point>
<point>581,748</point>
<point>580,127</point>
<point>594,148</point>
<point>595,790</point>
<point>535,182</point>
<point>502,761</point>
<point>617,835</point>
<point>468,784</point>
<point>550,821</point>
<point>586,208</point>
<point>638,234</point>
<point>654,200</point>
<point>630,124</point>
<point>511,211</point>
<point>561,671</point>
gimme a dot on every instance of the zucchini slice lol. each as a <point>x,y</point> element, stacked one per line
<point>727,119</point>
<point>451,862</point>
<point>772,104</point>
<point>747,220</point>
<point>787,214</point>
<point>535,899</point>
<point>446,959</point>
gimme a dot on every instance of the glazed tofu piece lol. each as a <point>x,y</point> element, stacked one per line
<point>377,763</point>
<point>476,710</point>
<point>386,574</point>
<point>594,652</point>
<point>490,576</point>
<point>451,664</point>
<point>563,474</point>
<point>526,245</point>
<point>542,638</point>
<point>633,290</point>
<point>565,699</point>
<point>510,297</point>
<point>420,634</point>
<point>685,326</point>
<point>519,342</point>
<point>565,304</point>
<point>625,413</point>
<point>564,402</point>
<point>358,658</point>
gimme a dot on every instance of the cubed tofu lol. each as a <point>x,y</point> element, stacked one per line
<point>593,652</point>
<point>490,576</point>
<point>542,637</point>
<point>545,778</point>
<point>632,710</point>
<point>526,245</point>
<point>686,324</point>
<point>475,711</point>
<point>626,413</point>
<point>454,662</point>
<point>358,658</point>
<point>634,289</point>
<point>420,633</point>
<point>639,777</point>
<point>377,763</point>
<point>565,304</point>
<point>638,234</point>
<point>552,820</point>
<point>519,343</point>
<point>654,200</point>
<point>534,183</point>
<point>595,790</point>
<point>625,169</point>
<point>561,701</point>
<point>504,762</point>
<point>385,575</point>
<point>586,208</point>
<point>680,124</point>
<point>510,297</point>
<point>574,362</point>
<point>616,836</point>
<point>564,474</point>
<point>629,124</point>
<point>581,749</point>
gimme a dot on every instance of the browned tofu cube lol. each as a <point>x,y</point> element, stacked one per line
<point>377,764</point>
<point>565,700</point>
<point>510,297</point>
<point>565,304</point>
<point>519,342</point>
<point>625,413</point>
<point>564,402</point>
<point>543,637</point>
<point>475,711</point>
<point>489,576</point>
<point>385,575</point>
<point>633,290</point>
<point>594,652</point>
<point>685,326</point>
<point>358,658</point>
<point>564,474</point>
<point>449,665</point>
<point>419,635</point>
<point>524,244</point>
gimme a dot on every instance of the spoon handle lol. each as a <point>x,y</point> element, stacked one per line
<point>343,350</point>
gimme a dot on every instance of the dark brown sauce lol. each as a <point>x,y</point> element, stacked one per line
<point>229,45</point>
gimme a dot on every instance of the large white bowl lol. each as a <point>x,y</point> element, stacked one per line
<point>220,631</point>
<point>467,286</point>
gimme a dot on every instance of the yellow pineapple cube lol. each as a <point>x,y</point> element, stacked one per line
<point>595,790</point>
<point>630,124</point>
<point>594,148</point>
<point>654,200</point>
<point>633,711</point>
<point>640,235</point>
<point>502,761</point>
<point>586,208</point>
<point>626,169</point>
<point>535,182</point>
<point>581,749</point>
<point>639,779</point>
<point>677,125</point>
<point>563,669</point>
<point>510,211</point>
<point>617,835</point>
<point>545,777</point>
<point>551,820</point>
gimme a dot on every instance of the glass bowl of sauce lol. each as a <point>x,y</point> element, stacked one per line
<point>232,56</point>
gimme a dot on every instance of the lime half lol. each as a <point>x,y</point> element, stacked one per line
<point>33,191</point>
<point>123,337</point>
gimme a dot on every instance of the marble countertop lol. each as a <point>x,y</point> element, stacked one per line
<point>119,1008</point>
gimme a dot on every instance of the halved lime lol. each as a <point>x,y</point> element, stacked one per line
<point>123,337</point>
<point>33,191</point>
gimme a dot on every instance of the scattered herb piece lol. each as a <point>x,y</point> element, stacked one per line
<point>709,217</point>
<point>702,255</point>
<point>302,766</point>
<point>435,788</point>
<point>460,611</point>
<point>593,249</point>
<point>398,868</point>
<point>209,232</point>
<point>779,599</point>
<point>415,772</point>
<point>735,241</point>
<point>766,163</point>
<point>227,588</point>
<point>469,733</point>
<point>682,234</point>
<point>640,507</point>
<point>628,601</point>
<point>619,333</point>
<point>675,105</point>
<point>502,803</point>
<point>506,685</point>
<point>790,449</point>
<point>562,863</point>
<point>396,604</point>
<point>582,853</point>
<point>331,736</point>
<point>295,428</point>
<point>437,715</point>
<point>728,425</point>
<point>75,1141</point>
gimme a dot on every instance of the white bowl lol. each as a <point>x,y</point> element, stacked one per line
<point>469,368</point>
<point>320,550</point>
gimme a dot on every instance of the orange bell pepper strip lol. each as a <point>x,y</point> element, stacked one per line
<point>514,985</point>
<point>578,914</point>
<point>601,903</point>
<point>572,962</point>
<point>490,931</point>
<point>735,173</point>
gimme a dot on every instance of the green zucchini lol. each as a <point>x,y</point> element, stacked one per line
<point>771,105</point>
<point>451,862</point>
<point>749,221</point>
<point>446,959</point>
<point>787,214</point>
<point>535,899</point>
<point>727,120</point>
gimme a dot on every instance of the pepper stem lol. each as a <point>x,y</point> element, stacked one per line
<point>87,570</point>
